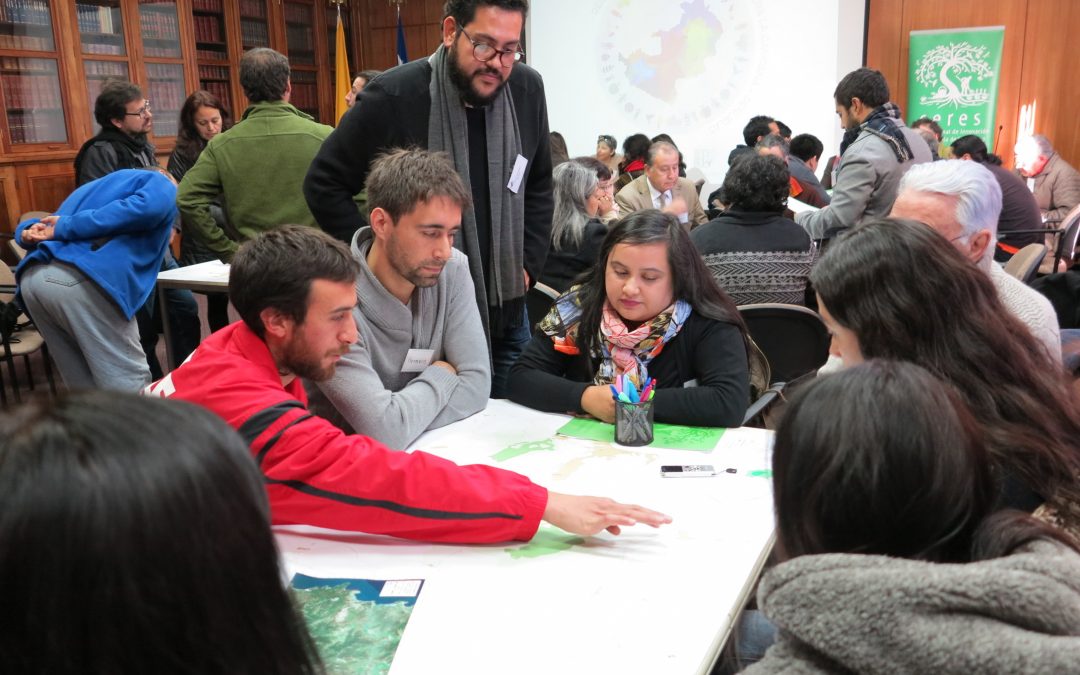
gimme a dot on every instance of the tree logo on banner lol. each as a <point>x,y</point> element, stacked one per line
<point>948,71</point>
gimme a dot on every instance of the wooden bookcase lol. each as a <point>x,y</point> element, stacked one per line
<point>55,56</point>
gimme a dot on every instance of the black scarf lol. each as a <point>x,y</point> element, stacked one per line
<point>131,153</point>
<point>883,124</point>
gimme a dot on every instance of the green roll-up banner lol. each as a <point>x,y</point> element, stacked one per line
<point>953,79</point>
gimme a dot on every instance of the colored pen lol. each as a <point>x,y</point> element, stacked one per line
<point>614,391</point>
<point>631,391</point>
<point>647,390</point>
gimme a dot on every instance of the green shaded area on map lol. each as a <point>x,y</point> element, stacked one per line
<point>546,541</point>
<point>353,636</point>
<point>664,435</point>
<point>517,449</point>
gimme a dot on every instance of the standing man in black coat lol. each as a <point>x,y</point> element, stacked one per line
<point>474,100</point>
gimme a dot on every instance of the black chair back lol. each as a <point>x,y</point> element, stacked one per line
<point>793,338</point>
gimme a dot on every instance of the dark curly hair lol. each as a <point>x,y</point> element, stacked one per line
<point>757,183</point>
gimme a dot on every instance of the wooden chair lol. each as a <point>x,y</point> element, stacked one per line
<point>19,338</point>
<point>1025,263</point>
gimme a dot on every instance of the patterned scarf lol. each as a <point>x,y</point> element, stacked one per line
<point>883,124</point>
<point>623,351</point>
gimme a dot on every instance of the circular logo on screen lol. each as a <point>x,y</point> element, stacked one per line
<point>679,65</point>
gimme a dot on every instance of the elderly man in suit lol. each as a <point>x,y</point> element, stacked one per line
<point>661,188</point>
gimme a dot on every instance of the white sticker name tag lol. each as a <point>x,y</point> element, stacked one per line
<point>416,360</point>
<point>517,174</point>
<point>689,383</point>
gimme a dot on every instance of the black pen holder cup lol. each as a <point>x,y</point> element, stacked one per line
<point>633,423</point>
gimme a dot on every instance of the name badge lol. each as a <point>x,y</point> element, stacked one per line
<point>416,360</point>
<point>517,174</point>
<point>689,383</point>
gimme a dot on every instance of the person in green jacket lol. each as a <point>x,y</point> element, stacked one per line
<point>258,166</point>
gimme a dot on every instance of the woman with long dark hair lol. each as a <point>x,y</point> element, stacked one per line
<point>647,308</point>
<point>896,289</point>
<point>202,117</point>
<point>880,477</point>
<point>1019,210</point>
<point>135,538</point>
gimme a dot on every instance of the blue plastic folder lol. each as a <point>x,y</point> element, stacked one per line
<point>672,436</point>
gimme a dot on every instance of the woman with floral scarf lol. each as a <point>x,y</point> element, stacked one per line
<point>648,308</point>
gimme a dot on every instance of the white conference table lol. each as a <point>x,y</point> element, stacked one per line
<point>207,277</point>
<point>647,601</point>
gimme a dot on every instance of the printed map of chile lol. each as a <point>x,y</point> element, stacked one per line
<point>684,50</point>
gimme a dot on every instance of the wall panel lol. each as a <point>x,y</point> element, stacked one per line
<point>1035,64</point>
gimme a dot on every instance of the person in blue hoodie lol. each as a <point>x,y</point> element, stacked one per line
<point>90,267</point>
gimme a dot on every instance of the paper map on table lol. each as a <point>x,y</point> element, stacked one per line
<point>356,623</point>
<point>671,436</point>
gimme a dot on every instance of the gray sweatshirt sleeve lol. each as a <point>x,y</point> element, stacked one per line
<point>465,348</point>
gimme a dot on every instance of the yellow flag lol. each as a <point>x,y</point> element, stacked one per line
<point>342,78</point>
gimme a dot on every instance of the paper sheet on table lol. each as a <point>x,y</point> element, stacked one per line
<point>671,436</point>
<point>800,207</point>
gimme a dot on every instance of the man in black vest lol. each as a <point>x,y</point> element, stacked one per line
<point>126,120</point>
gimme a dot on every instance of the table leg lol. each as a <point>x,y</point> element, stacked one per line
<point>163,308</point>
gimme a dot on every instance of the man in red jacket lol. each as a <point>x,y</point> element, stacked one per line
<point>294,287</point>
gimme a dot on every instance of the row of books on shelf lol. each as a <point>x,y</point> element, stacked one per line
<point>25,11</point>
<point>31,91</point>
<point>37,127</point>
<point>206,5</point>
<point>166,96</point>
<point>297,14</point>
<point>102,48</point>
<point>305,96</point>
<point>97,19</point>
<point>219,89</point>
<point>28,42</point>
<point>253,8</point>
<point>104,69</point>
<point>212,54</point>
<point>213,72</point>
<point>299,37</point>
<point>254,33</point>
<point>208,29</point>
<point>159,25</point>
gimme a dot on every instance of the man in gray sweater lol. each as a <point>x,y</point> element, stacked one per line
<point>421,360</point>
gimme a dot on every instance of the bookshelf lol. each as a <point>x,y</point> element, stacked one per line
<point>254,24</point>
<point>32,101</point>
<point>26,25</point>
<point>300,33</point>
<point>101,27</point>
<point>56,55</point>
<point>212,49</point>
